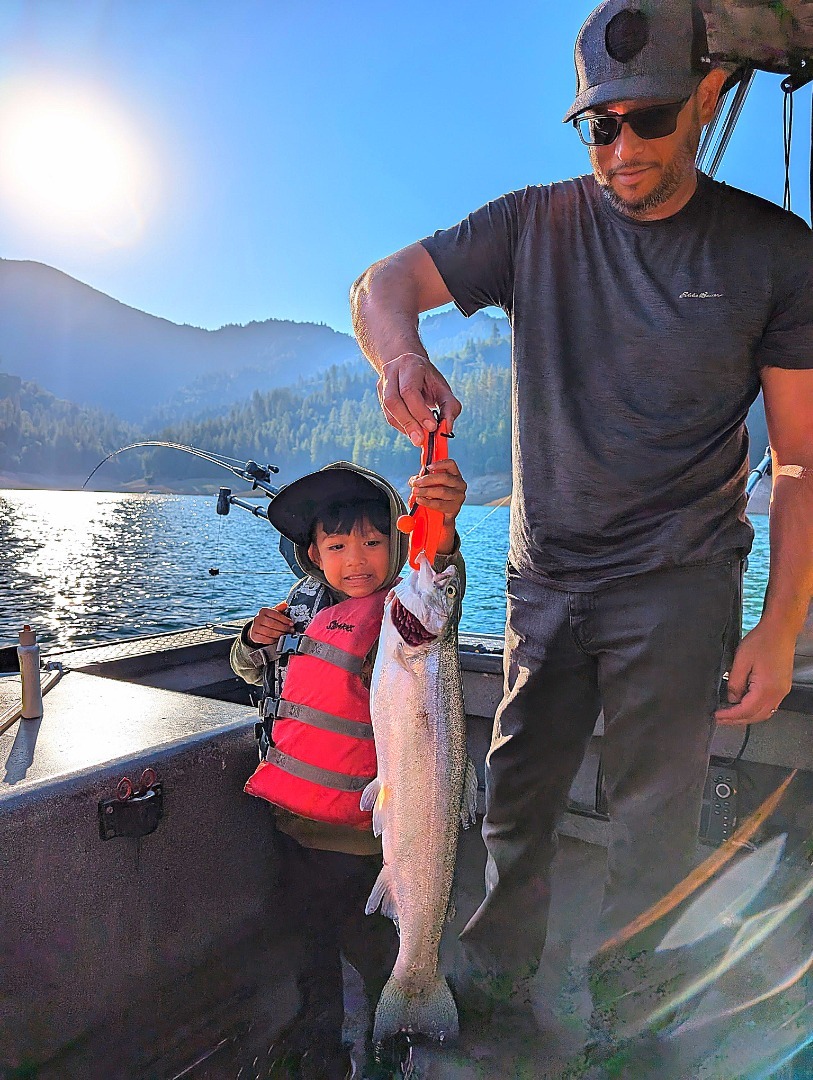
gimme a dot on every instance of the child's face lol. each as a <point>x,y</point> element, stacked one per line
<point>356,563</point>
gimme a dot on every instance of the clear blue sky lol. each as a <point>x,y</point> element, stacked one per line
<point>291,144</point>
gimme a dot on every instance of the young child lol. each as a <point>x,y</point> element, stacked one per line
<point>317,751</point>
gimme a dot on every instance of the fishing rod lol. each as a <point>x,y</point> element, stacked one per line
<point>757,473</point>
<point>715,144</point>
<point>259,476</point>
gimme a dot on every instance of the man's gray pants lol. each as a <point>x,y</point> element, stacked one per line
<point>649,650</point>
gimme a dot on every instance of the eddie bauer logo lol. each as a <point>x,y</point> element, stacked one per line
<point>701,295</point>
<point>334,624</point>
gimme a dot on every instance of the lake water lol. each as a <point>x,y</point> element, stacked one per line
<point>84,567</point>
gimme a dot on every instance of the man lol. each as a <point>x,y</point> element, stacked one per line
<point>648,305</point>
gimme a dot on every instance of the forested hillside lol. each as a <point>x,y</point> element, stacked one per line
<point>327,417</point>
<point>43,435</point>
<point>82,374</point>
<point>87,347</point>
<point>336,416</point>
<point>332,416</point>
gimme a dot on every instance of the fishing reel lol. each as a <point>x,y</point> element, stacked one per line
<point>225,501</point>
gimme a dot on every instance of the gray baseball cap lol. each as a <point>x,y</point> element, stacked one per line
<point>636,49</point>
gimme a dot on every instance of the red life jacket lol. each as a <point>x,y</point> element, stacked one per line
<point>323,754</point>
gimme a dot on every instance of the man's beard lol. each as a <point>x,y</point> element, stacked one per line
<point>675,174</point>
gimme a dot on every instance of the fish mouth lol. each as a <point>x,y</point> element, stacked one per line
<point>408,626</point>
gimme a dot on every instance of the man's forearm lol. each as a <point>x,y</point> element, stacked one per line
<point>384,304</point>
<point>387,299</point>
<point>790,581</point>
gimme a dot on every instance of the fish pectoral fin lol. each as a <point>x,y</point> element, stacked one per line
<point>468,805</point>
<point>378,811</point>
<point>374,797</point>
<point>370,794</point>
<point>382,896</point>
<point>402,658</point>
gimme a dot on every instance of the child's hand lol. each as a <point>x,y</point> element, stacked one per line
<point>270,624</point>
<point>442,488</point>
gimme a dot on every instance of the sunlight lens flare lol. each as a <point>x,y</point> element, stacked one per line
<point>71,164</point>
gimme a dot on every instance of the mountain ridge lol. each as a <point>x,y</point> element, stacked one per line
<point>93,349</point>
<point>88,347</point>
<point>56,335</point>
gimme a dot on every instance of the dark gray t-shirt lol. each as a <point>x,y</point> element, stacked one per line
<point>637,349</point>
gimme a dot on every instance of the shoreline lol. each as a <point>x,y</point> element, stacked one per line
<point>488,490</point>
<point>493,489</point>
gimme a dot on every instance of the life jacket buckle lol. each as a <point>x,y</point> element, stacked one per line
<point>288,645</point>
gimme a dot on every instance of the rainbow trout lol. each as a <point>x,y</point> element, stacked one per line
<point>425,789</point>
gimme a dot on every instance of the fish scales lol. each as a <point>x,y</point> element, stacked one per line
<point>425,787</point>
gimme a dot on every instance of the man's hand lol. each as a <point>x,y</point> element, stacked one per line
<point>409,387</point>
<point>270,624</point>
<point>760,677</point>
<point>385,304</point>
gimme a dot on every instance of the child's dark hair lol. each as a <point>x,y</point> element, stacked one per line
<point>343,517</point>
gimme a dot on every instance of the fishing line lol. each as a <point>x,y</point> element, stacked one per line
<point>257,475</point>
<point>738,756</point>
<point>217,559</point>
<point>502,502</point>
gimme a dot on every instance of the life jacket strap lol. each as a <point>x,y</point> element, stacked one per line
<point>331,654</point>
<point>356,729</point>
<point>335,780</point>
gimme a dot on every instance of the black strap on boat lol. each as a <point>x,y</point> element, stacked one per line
<point>356,729</point>
<point>331,654</point>
<point>324,777</point>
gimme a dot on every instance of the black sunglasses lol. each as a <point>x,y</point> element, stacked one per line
<point>654,122</point>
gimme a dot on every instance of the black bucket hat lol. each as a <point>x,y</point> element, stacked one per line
<point>294,507</point>
<point>630,50</point>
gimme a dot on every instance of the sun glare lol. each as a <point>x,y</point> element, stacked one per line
<point>70,163</point>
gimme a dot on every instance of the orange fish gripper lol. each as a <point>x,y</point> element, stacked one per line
<point>423,524</point>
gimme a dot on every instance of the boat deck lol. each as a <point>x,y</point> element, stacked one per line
<point>170,956</point>
<point>708,1039</point>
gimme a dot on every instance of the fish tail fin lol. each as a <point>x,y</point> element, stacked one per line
<point>430,1012</point>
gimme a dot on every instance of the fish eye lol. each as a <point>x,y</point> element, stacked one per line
<point>451,590</point>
